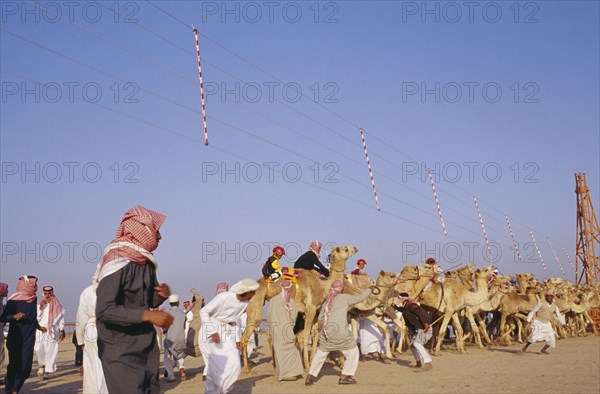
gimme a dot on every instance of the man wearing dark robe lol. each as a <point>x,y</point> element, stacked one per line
<point>310,259</point>
<point>127,291</point>
<point>21,313</point>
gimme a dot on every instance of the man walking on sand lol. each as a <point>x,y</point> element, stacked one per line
<point>335,335</point>
<point>220,337</point>
<point>174,343</point>
<point>419,325</point>
<point>541,328</point>
<point>51,315</point>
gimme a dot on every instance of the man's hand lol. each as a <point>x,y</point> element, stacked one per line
<point>163,290</point>
<point>238,345</point>
<point>216,338</point>
<point>158,318</point>
<point>18,316</point>
<point>61,336</point>
<point>43,330</point>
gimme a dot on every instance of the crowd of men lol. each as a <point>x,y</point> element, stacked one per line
<point>118,317</point>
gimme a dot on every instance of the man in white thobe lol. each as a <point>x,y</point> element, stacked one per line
<point>189,316</point>
<point>219,335</point>
<point>51,315</point>
<point>371,339</point>
<point>87,335</point>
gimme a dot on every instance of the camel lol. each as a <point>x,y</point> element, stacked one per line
<point>192,346</point>
<point>524,281</point>
<point>416,280</point>
<point>512,304</point>
<point>464,274</point>
<point>309,295</point>
<point>575,303</point>
<point>450,297</point>
<point>382,291</point>
<point>413,279</point>
<point>497,288</point>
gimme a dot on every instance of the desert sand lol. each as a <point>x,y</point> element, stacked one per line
<point>573,367</point>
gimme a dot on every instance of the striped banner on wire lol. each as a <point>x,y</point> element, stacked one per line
<point>555,256</point>
<point>512,236</point>
<point>362,136</point>
<point>487,242</point>
<point>569,258</point>
<point>437,203</point>
<point>539,252</point>
<point>201,87</point>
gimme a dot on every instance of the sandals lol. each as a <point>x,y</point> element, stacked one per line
<point>347,380</point>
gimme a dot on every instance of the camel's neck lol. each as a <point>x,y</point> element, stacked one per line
<point>419,285</point>
<point>481,294</point>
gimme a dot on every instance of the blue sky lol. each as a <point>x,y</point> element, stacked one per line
<point>103,113</point>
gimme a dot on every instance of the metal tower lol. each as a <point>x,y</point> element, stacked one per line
<point>588,235</point>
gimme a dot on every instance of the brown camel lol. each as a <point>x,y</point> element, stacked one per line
<point>450,297</point>
<point>464,274</point>
<point>368,309</point>
<point>497,288</point>
<point>515,304</point>
<point>309,295</point>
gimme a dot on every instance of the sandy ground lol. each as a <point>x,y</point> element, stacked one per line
<point>573,367</point>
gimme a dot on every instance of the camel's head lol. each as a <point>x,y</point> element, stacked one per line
<point>486,272</point>
<point>503,283</point>
<point>342,253</point>
<point>410,272</point>
<point>386,279</point>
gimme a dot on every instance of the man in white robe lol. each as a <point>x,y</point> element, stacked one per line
<point>371,339</point>
<point>541,328</point>
<point>219,335</point>
<point>51,315</point>
<point>87,335</point>
<point>189,316</point>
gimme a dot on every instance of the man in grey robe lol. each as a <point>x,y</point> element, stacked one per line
<point>281,317</point>
<point>174,344</point>
<point>335,334</point>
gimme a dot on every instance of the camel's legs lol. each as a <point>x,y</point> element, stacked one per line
<point>475,329</point>
<point>458,331</point>
<point>252,311</point>
<point>309,323</point>
<point>442,332</point>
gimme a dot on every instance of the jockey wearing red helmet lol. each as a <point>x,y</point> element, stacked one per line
<point>360,265</point>
<point>272,269</point>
